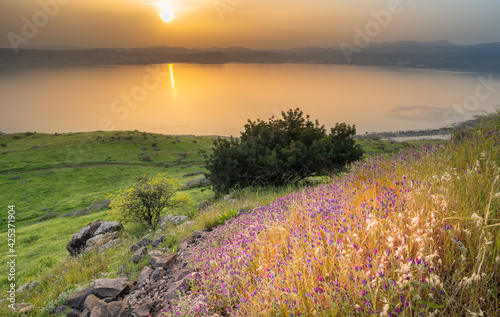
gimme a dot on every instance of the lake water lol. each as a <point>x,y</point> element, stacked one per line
<point>218,99</point>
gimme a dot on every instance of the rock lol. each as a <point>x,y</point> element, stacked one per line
<point>143,277</point>
<point>77,243</point>
<point>158,273</point>
<point>111,309</point>
<point>227,197</point>
<point>188,224</point>
<point>107,287</point>
<point>23,308</point>
<point>144,310</point>
<point>177,289</point>
<point>108,245</point>
<point>84,313</point>
<point>181,274</point>
<point>231,201</point>
<point>77,299</point>
<point>74,313</point>
<point>164,261</point>
<point>139,255</point>
<point>28,287</point>
<point>183,246</point>
<point>197,234</point>
<point>203,206</point>
<point>175,219</point>
<point>143,243</point>
<point>92,302</point>
<point>106,227</point>
<point>15,177</point>
<point>61,309</point>
<point>101,239</point>
<point>121,270</point>
<point>156,243</point>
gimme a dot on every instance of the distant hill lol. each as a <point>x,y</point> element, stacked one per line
<point>422,55</point>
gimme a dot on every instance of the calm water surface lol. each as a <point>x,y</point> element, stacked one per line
<point>218,99</point>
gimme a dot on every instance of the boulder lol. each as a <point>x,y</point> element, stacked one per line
<point>181,274</point>
<point>164,261</point>
<point>74,313</point>
<point>175,219</point>
<point>106,227</point>
<point>28,287</point>
<point>108,245</point>
<point>92,302</point>
<point>203,206</point>
<point>142,243</point>
<point>143,277</point>
<point>158,273</point>
<point>139,255</point>
<point>77,299</point>
<point>144,310</point>
<point>23,308</point>
<point>101,239</point>
<point>156,243</point>
<point>110,287</point>
<point>84,313</point>
<point>111,309</point>
<point>61,309</point>
<point>77,243</point>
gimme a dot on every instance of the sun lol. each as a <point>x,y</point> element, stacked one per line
<point>166,13</point>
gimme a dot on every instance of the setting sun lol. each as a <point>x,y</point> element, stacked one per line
<point>166,12</point>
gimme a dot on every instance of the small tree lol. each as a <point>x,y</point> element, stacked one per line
<point>146,200</point>
<point>280,151</point>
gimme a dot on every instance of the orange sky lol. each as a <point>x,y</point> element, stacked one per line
<point>249,23</point>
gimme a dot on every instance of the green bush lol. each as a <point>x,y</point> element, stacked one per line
<point>280,151</point>
<point>146,200</point>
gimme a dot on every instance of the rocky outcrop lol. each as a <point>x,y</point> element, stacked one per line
<point>93,235</point>
<point>174,219</point>
<point>164,280</point>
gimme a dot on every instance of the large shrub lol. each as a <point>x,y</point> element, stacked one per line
<point>280,151</point>
<point>146,200</point>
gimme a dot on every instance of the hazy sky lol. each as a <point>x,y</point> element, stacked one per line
<point>250,23</point>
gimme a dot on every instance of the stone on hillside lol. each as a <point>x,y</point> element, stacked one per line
<point>175,219</point>
<point>181,274</point>
<point>84,313</point>
<point>144,276</point>
<point>23,308</point>
<point>111,310</point>
<point>77,299</point>
<point>107,287</point>
<point>28,287</point>
<point>139,255</point>
<point>108,245</point>
<point>143,243</point>
<point>144,310</point>
<point>101,239</point>
<point>110,226</point>
<point>77,243</point>
<point>164,261</point>
<point>73,313</point>
<point>204,206</point>
<point>158,273</point>
<point>61,309</point>
<point>197,234</point>
<point>156,243</point>
<point>92,302</point>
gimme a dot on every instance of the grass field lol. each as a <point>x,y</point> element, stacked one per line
<point>46,176</point>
